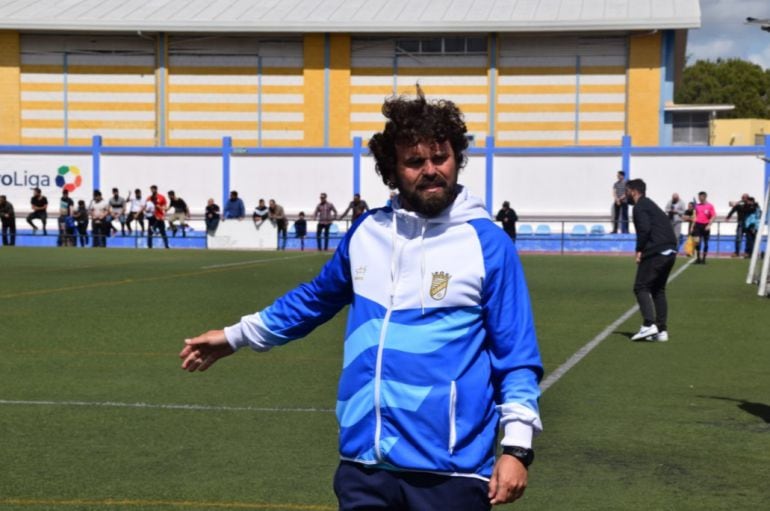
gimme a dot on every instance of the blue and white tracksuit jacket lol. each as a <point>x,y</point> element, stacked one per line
<point>440,342</point>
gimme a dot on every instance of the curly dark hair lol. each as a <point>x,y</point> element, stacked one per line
<point>411,121</point>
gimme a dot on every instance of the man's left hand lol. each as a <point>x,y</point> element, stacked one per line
<point>509,480</point>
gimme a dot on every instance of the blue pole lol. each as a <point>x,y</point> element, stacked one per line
<point>96,149</point>
<point>489,148</point>
<point>357,152</point>
<point>227,146</point>
<point>626,147</point>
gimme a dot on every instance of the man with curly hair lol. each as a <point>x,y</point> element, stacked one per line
<point>440,348</point>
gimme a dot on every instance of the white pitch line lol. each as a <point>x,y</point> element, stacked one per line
<point>150,406</point>
<point>256,261</point>
<point>580,354</point>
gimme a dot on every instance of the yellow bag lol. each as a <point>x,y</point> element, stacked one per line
<point>689,246</point>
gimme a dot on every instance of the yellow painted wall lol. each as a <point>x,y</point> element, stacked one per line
<point>644,68</point>
<point>738,132</point>
<point>314,90</point>
<point>10,88</point>
<point>339,98</point>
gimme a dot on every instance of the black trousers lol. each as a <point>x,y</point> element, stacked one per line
<point>159,226</point>
<point>650,289</point>
<point>9,231</point>
<point>361,488</point>
<point>100,231</point>
<point>325,229</point>
<point>739,233</point>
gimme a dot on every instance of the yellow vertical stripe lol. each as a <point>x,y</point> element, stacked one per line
<point>339,121</point>
<point>10,88</point>
<point>644,68</point>
<point>314,89</point>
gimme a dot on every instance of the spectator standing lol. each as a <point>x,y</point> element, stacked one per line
<point>508,217</point>
<point>234,207</point>
<point>357,207</point>
<point>99,210</point>
<point>8,220</point>
<point>751,224</point>
<point>619,204</point>
<point>325,213</point>
<point>158,218</point>
<point>740,209</point>
<point>675,210</point>
<point>212,217</point>
<point>181,213</point>
<point>300,229</point>
<point>39,205</point>
<point>261,213</point>
<point>81,221</point>
<point>441,346</point>
<point>66,206</point>
<point>117,211</point>
<point>701,231</point>
<point>278,218</point>
<point>656,247</point>
<point>135,213</point>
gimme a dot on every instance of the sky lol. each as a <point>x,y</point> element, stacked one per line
<point>724,33</point>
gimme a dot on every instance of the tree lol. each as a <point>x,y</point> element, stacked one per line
<point>733,81</point>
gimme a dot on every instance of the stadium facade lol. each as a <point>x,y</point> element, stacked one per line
<point>296,73</point>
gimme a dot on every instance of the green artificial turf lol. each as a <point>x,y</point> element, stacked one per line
<point>95,413</point>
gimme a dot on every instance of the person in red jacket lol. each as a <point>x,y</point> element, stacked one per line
<point>158,219</point>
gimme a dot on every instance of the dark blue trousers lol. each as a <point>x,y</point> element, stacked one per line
<point>359,488</point>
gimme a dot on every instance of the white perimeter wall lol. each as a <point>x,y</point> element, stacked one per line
<point>558,185</point>
<point>193,178</point>
<point>295,182</point>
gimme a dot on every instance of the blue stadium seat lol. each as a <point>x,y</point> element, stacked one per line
<point>597,230</point>
<point>579,230</point>
<point>524,229</point>
<point>543,230</point>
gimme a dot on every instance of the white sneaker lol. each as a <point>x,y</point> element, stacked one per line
<point>645,332</point>
<point>660,336</point>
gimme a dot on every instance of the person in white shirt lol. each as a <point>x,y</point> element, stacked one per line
<point>135,209</point>
<point>98,210</point>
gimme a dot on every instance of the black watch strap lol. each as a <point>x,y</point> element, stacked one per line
<point>524,455</point>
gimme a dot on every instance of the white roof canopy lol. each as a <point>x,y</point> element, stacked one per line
<point>348,16</point>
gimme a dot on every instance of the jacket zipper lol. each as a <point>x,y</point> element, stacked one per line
<point>452,416</point>
<point>377,383</point>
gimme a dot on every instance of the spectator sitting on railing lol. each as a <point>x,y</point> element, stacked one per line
<point>212,217</point>
<point>181,213</point>
<point>234,208</point>
<point>300,229</point>
<point>261,213</point>
<point>39,207</point>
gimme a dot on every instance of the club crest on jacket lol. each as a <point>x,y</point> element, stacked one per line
<point>439,284</point>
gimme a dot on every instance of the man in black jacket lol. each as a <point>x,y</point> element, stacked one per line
<point>656,247</point>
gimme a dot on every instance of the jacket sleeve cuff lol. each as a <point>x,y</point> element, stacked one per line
<point>520,425</point>
<point>517,433</point>
<point>251,331</point>
<point>234,336</point>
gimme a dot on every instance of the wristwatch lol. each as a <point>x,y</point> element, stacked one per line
<point>524,455</point>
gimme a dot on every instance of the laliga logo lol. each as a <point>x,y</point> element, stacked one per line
<point>74,178</point>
